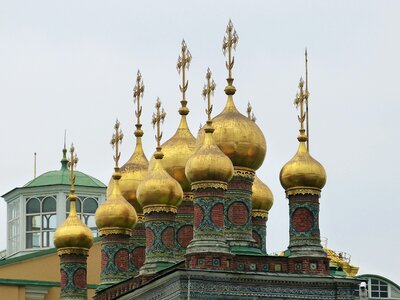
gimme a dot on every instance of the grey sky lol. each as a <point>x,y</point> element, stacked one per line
<point>72,64</point>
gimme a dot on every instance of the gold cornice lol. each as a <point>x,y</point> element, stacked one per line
<point>188,196</point>
<point>244,172</point>
<point>73,250</point>
<point>259,213</point>
<point>114,230</point>
<point>209,184</point>
<point>303,191</point>
<point>159,208</point>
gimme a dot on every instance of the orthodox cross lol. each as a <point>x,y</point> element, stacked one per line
<point>115,141</point>
<point>138,91</point>
<point>158,117</point>
<point>183,63</point>
<point>250,113</point>
<point>73,160</point>
<point>230,41</point>
<point>299,101</point>
<point>208,90</point>
<point>306,97</point>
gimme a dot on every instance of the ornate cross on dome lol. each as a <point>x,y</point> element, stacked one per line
<point>72,161</point>
<point>306,94</point>
<point>300,101</point>
<point>115,141</point>
<point>208,90</point>
<point>138,91</point>
<point>183,63</point>
<point>158,117</point>
<point>230,41</point>
<point>250,113</point>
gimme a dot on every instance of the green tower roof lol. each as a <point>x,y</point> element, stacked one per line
<point>62,177</point>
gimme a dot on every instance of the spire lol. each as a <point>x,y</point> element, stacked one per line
<point>73,160</point>
<point>64,160</point>
<point>306,97</point>
<point>208,90</point>
<point>138,91</point>
<point>115,141</point>
<point>158,117</point>
<point>230,41</point>
<point>299,101</point>
<point>183,63</point>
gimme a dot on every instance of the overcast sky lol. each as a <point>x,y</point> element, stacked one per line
<point>72,65</point>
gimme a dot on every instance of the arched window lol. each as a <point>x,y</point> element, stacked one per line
<point>41,221</point>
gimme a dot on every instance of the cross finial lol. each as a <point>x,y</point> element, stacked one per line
<point>306,95</point>
<point>299,101</point>
<point>115,141</point>
<point>230,41</point>
<point>138,91</point>
<point>208,90</point>
<point>158,117</point>
<point>72,161</point>
<point>250,113</point>
<point>183,63</point>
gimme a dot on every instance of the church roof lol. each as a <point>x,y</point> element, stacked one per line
<point>61,177</point>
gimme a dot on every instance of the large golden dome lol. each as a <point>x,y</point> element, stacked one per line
<point>115,214</point>
<point>177,150</point>
<point>159,188</point>
<point>238,137</point>
<point>262,198</point>
<point>209,163</point>
<point>73,233</point>
<point>302,171</point>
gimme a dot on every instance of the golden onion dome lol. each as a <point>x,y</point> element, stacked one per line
<point>177,150</point>
<point>73,233</point>
<point>115,214</point>
<point>302,171</point>
<point>209,163</point>
<point>132,173</point>
<point>262,198</point>
<point>159,188</point>
<point>238,137</point>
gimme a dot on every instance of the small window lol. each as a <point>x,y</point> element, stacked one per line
<point>33,206</point>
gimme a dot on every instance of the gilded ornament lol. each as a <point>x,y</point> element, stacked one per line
<point>116,214</point>
<point>73,234</point>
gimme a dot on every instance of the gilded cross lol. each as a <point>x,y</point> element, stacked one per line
<point>299,101</point>
<point>306,95</point>
<point>115,141</point>
<point>183,63</point>
<point>138,91</point>
<point>230,41</point>
<point>72,161</point>
<point>208,90</point>
<point>250,113</point>
<point>158,117</point>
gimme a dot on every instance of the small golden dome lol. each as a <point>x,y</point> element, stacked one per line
<point>238,137</point>
<point>73,233</point>
<point>132,173</point>
<point>262,197</point>
<point>159,188</point>
<point>302,171</point>
<point>209,163</point>
<point>115,214</point>
<point>177,150</point>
